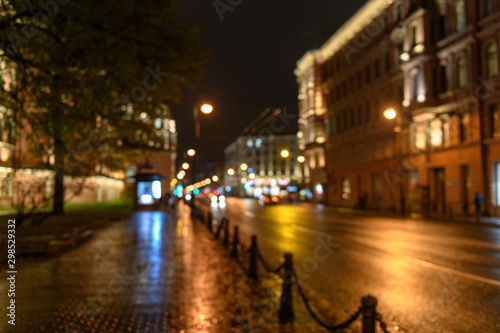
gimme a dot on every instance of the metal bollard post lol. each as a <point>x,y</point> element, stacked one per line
<point>285,313</point>
<point>209,221</point>
<point>219,228</point>
<point>226,233</point>
<point>369,312</point>
<point>252,267</point>
<point>234,251</point>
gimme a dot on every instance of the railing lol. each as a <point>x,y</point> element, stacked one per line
<point>367,310</point>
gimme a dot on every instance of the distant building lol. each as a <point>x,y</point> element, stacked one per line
<point>267,171</point>
<point>27,167</point>
<point>436,64</point>
<point>311,125</point>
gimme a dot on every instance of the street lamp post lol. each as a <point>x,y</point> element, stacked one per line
<point>205,108</point>
<point>391,114</point>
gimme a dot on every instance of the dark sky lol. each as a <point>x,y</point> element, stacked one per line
<point>255,50</point>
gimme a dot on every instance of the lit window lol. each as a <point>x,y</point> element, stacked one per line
<point>421,137</point>
<point>346,189</point>
<point>171,124</point>
<point>460,15</point>
<point>465,128</point>
<point>436,133</point>
<point>249,143</point>
<point>492,60</point>
<point>494,115</point>
<point>462,72</point>
<point>158,123</point>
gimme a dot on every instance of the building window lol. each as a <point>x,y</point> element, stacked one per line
<point>360,115</point>
<point>465,128</point>
<point>460,15</point>
<point>443,80</point>
<point>399,52</point>
<point>397,12</point>
<point>360,79</point>
<point>377,68</point>
<point>462,72</point>
<point>488,7</point>
<point>414,86</point>
<point>346,188</point>
<point>367,74</point>
<point>413,36</point>
<point>492,60</point>
<point>436,133</point>
<point>494,121</point>
<point>421,137</point>
<point>333,124</point>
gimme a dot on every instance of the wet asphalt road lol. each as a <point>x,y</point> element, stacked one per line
<point>427,276</point>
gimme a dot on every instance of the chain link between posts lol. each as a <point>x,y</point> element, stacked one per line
<point>266,265</point>
<point>383,325</point>
<point>333,328</point>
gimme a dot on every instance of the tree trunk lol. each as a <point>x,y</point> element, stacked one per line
<point>58,204</point>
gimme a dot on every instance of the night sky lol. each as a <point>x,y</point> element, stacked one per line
<point>254,52</point>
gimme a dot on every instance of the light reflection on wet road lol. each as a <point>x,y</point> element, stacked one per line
<point>150,273</point>
<point>428,277</point>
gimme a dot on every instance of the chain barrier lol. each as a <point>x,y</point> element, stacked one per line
<point>345,324</point>
<point>266,265</point>
<point>333,328</point>
<point>383,325</point>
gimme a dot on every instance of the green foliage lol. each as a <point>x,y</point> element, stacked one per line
<point>118,62</point>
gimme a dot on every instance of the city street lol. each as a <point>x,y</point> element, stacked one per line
<point>150,273</point>
<point>427,276</point>
<point>156,273</point>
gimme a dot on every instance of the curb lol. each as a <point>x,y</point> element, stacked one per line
<point>50,244</point>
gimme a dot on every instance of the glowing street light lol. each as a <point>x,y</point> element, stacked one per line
<point>390,114</point>
<point>191,152</point>
<point>185,166</point>
<point>284,153</point>
<point>215,178</point>
<point>207,181</point>
<point>206,108</point>
<point>301,159</point>
<point>230,171</point>
<point>243,166</point>
<point>251,176</point>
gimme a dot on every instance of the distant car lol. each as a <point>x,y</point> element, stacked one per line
<point>268,200</point>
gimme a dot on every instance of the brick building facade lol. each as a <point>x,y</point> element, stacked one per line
<point>436,64</point>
